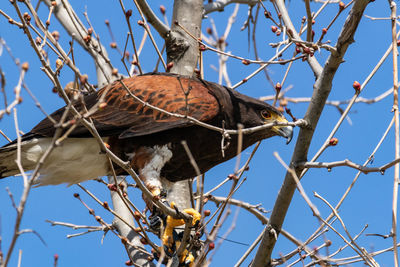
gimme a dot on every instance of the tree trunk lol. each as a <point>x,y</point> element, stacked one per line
<point>183,52</point>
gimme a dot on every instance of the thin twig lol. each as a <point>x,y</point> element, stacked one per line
<point>393,8</point>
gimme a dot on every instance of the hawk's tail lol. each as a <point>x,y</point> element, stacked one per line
<point>8,158</point>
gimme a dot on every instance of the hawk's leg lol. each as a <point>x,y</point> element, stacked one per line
<point>149,161</point>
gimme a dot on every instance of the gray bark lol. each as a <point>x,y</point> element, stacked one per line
<point>137,256</point>
<point>182,49</point>
<point>183,52</point>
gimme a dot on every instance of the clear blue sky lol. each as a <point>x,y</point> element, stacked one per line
<point>369,203</point>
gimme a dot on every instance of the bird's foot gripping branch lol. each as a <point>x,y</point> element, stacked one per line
<point>174,243</point>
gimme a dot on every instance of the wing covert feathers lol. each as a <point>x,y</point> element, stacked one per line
<point>125,116</point>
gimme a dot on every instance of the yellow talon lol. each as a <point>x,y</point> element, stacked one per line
<point>172,223</point>
<point>187,257</point>
<point>168,233</point>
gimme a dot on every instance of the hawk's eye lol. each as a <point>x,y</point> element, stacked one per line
<point>266,114</point>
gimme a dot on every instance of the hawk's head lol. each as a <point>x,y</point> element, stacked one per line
<point>252,112</point>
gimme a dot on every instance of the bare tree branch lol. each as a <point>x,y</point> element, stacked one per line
<point>160,27</point>
<point>322,88</point>
<point>348,163</point>
<point>395,54</point>
<point>137,256</point>
<point>75,28</point>
<point>219,5</point>
<point>315,66</point>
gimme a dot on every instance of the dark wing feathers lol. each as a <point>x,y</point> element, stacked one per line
<point>150,128</point>
<point>127,117</point>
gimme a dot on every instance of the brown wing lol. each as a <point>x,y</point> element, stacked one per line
<point>127,117</point>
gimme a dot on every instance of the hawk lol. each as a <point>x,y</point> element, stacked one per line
<point>144,120</point>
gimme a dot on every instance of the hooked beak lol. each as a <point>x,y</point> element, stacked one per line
<point>287,132</point>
